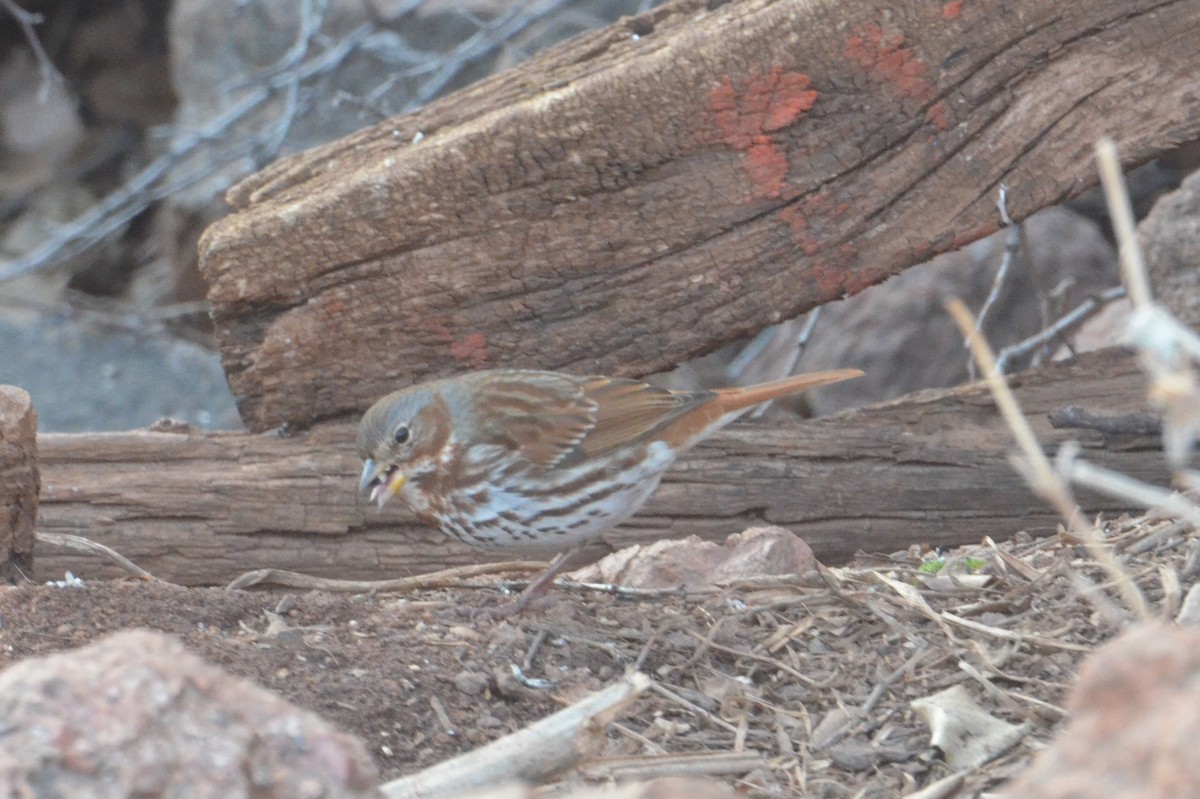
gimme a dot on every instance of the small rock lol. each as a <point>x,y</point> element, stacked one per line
<point>1170,237</point>
<point>1135,715</point>
<point>692,563</point>
<point>853,755</point>
<point>471,683</point>
<point>136,715</point>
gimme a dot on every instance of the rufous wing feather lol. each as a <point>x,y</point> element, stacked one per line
<point>559,420</point>
<point>543,415</point>
<point>628,411</point>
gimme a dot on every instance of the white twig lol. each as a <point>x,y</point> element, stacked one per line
<point>530,755</point>
<point>27,20</point>
<point>1081,313</point>
<point>1012,244</point>
<point>1036,468</point>
<point>1124,487</point>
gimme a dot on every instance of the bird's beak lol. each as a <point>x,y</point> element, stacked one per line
<point>373,479</point>
<point>370,473</point>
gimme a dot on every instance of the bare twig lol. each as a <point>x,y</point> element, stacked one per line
<point>1012,245</point>
<point>1009,635</point>
<point>151,183</point>
<point>439,579</point>
<point>760,658</point>
<point>27,20</point>
<point>80,544</point>
<point>1166,347</point>
<point>1066,323</point>
<point>890,679</point>
<point>1073,417</point>
<point>670,695</point>
<point>532,754</point>
<point>1116,484</point>
<point>1036,468</point>
<point>626,591</point>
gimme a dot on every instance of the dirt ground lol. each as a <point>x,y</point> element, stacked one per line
<point>803,684</point>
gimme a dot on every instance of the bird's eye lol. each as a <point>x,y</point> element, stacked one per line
<point>401,434</point>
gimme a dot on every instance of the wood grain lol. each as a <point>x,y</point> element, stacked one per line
<point>931,468</point>
<point>651,191</point>
<point>19,482</point>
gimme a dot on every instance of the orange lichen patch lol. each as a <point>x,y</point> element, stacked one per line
<point>829,281</point>
<point>799,214</point>
<point>747,115</point>
<point>796,216</point>
<point>796,220</point>
<point>857,281</point>
<point>438,328</point>
<point>767,167</point>
<point>471,348</point>
<point>952,9</point>
<point>937,115</point>
<point>883,55</point>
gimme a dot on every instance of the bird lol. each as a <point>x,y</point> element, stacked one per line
<point>521,461</point>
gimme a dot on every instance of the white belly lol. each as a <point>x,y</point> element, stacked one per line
<point>514,520</point>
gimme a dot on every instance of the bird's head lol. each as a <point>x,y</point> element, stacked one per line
<point>401,438</point>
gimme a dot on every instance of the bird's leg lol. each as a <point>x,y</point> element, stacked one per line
<point>540,584</point>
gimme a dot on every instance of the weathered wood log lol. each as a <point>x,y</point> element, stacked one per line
<point>201,508</point>
<point>648,192</point>
<point>19,483</point>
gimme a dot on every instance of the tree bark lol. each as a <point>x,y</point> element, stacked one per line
<point>18,483</point>
<point>651,191</point>
<point>931,468</point>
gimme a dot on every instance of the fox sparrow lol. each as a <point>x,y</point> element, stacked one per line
<point>522,460</point>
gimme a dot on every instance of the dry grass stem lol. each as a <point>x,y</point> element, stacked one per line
<point>1167,348</point>
<point>80,544</point>
<point>1008,635</point>
<point>1133,266</point>
<point>447,578</point>
<point>1038,471</point>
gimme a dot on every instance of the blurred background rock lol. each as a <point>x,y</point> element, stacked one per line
<point>118,139</point>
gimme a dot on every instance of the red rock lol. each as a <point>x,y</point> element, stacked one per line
<point>1135,720</point>
<point>136,715</point>
<point>692,563</point>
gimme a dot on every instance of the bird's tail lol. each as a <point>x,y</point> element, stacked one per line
<point>731,400</point>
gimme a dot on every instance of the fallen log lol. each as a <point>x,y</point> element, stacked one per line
<point>651,191</point>
<point>18,483</point>
<point>931,468</point>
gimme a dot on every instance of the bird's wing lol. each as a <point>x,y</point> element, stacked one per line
<point>630,411</point>
<point>543,415</point>
<point>560,420</point>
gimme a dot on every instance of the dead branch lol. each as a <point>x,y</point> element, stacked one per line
<point>530,755</point>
